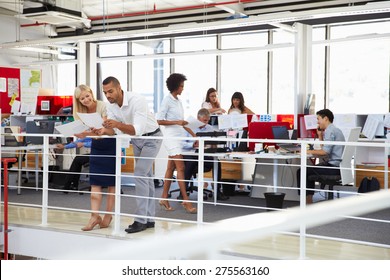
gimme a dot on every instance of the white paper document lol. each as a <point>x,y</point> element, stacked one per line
<point>71,128</point>
<point>15,107</point>
<point>370,127</point>
<point>310,121</point>
<point>386,121</point>
<point>232,121</point>
<point>92,120</point>
<point>193,123</point>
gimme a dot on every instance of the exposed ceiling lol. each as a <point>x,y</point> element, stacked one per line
<point>74,17</point>
<point>58,23</point>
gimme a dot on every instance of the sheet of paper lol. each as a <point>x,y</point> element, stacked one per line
<point>232,121</point>
<point>311,121</point>
<point>370,127</point>
<point>71,128</point>
<point>239,121</point>
<point>193,123</point>
<point>386,121</point>
<point>91,120</point>
<point>345,120</point>
<point>224,121</point>
<point>15,107</point>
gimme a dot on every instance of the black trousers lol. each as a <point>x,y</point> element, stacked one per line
<point>73,177</point>
<point>191,168</point>
<point>319,169</point>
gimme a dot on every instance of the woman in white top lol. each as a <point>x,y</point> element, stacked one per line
<point>238,105</point>
<point>171,116</point>
<point>212,103</point>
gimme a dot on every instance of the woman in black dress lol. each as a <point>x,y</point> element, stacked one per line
<point>101,162</point>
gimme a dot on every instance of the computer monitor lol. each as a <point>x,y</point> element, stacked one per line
<point>213,120</point>
<point>280,132</point>
<point>38,127</point>
<point>7,139</point>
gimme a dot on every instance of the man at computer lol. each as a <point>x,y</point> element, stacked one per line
<point>330,155</point>
<point>191,162</point>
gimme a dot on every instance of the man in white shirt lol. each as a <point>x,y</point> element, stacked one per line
<point>128,113</point>
<point>191,162</point>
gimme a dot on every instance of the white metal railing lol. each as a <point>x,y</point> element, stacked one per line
<point>282,216</point>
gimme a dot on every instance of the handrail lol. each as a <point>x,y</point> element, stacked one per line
<point>233,231</point>
<point>5,162</point>
<point>200,203</point>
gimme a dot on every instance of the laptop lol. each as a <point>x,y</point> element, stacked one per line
<point>281,133</point>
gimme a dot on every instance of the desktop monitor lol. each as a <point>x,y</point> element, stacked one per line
<point>38,127</point>
<point>213,120</point>
<point>263,130</point>
<point>7,139</point>
<point>280,132</point>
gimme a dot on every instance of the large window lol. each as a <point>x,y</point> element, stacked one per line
<point>357,80</point>
<point>283,72</point>
<point>245,72</point>
<point>115,68</point>
<point>200,71</point>
<point>359,71</point>
<point>148,74</point>
<point>318,69</point>
<point>66,79</point>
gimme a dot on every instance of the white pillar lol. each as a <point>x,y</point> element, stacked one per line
<point>82,63</point>
<point>303,67</point>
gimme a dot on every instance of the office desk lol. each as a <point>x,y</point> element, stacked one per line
<point>19,151</point>
<point>270,170</point>
<point>216,157</point>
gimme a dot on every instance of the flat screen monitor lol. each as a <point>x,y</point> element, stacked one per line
<point>280,132</point>
<point>213,120</point>
<point>38,127</point>
<point>7,139</point>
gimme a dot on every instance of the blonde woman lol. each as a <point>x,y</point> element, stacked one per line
<point>102,159</point>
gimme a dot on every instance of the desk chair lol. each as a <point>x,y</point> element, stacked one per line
<point>190,185</point>
<point>10,140</point>
<point>346,171</point>
<point>192,188</point>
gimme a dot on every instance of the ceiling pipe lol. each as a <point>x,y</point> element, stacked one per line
<point>177,9</point>
<point>33,24</point>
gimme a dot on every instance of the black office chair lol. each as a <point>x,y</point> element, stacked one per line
<point>192,188</point>
<point>327,180</point>
<point>346,173</point>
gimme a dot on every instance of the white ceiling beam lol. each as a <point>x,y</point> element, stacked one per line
<point>379,7</point>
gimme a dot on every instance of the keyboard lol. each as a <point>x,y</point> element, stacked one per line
<point>216,150</point>
<point>291,148</point>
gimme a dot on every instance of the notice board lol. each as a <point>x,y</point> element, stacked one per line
<point>9,88</point>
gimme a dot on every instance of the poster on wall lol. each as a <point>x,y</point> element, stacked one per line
<point>13,87</point>
<point>30,80</point>
<point>3,85</point>
<point>9,88</point>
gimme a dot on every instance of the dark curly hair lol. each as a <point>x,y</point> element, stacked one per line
<point>174,81</point>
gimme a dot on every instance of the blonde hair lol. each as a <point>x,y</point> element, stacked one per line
<point>77,106</point>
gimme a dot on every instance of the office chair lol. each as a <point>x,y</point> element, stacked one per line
<point>191,187</point>
<point>346,173</point>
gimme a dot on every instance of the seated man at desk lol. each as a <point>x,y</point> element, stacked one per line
<point>191,162</point>
<point>330,155</point>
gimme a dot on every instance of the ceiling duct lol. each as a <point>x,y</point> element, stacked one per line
<point>56,12</point>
